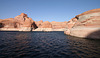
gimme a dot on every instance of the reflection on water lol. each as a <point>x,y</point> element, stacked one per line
<point>46,45</point>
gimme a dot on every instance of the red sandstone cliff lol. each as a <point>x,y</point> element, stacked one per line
<point>85,24</point>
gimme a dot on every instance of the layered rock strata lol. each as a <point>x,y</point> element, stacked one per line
<point>86,25</point>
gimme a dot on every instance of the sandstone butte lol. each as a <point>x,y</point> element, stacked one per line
<point>20,23</point>
<point>85,25</point>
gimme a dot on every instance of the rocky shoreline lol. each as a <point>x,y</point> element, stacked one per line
<point>85,25</point>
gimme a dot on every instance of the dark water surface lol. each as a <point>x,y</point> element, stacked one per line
<point>46,45</point>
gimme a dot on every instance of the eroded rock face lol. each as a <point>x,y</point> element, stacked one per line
<point>8,23</point>
<point>19,23</point>
<point>87,23</point>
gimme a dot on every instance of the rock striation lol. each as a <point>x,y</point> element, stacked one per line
<point>71,23</point>
<point>85,24</point>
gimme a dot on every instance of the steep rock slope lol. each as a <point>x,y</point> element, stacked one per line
<point>86,25</point>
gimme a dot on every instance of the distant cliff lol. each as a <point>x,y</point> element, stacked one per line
<point>23,23</point>
<point>50,26</point>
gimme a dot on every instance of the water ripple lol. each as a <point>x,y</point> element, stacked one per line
<point>46,45</point>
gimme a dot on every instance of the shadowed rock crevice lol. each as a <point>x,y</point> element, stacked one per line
<point>94,35</point>
<point>1,25</point>
<point>34,26</point>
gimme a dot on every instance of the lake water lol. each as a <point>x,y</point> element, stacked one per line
<point>46,45</point>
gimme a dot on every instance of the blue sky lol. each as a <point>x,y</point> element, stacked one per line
<point>46,10</point>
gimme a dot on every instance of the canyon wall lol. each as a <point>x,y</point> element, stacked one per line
<point>85,25</point>
<point>24,23</point>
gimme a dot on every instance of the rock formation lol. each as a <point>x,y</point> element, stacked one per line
<point>50,26</point>
<point>23,23</point>
<point>43,26</point>
<point>46,24</point>
<point>19,23</point>
<point>85,24</point>
<point>58,25</point>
